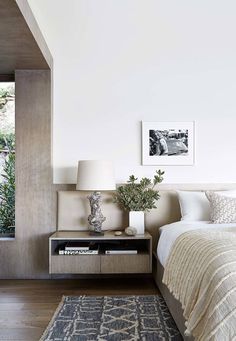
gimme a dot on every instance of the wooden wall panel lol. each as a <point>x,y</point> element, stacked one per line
<point>27,255</point>
<point>33,27</point>
<point>21,39</point>
<point>23,47</point>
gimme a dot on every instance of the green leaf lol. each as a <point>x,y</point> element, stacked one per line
<point>141,196</point>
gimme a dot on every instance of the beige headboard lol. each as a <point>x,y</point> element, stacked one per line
<point>73,208</point>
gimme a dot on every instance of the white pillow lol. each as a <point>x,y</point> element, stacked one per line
<point>228,194</point>
<point>195,206</point>
<point>223,208</point>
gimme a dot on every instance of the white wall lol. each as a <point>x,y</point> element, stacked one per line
<point>118,62</point>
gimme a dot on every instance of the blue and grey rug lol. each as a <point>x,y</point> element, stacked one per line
<point>109,318</point>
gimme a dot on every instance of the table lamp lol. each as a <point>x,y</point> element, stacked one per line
<point>96,176</point>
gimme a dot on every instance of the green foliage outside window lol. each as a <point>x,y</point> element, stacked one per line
<point>7,159</point>
<point>7,189</point>
<point>5,96</point>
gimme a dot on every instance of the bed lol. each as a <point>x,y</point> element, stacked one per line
<point>182,233</point>
<point>72,208</point>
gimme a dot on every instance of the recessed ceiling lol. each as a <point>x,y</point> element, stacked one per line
<point>18,48</point>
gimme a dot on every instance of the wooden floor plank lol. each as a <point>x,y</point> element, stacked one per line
<point>27,306</point>
<point>20,334</point>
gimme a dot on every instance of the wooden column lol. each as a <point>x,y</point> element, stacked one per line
<point>27,255</point>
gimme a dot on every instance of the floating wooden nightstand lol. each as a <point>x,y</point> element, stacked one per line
<point>102,263</point>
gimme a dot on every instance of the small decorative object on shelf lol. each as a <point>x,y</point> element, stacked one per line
<point>118,233</point>
<point>138,197</point>
<point>131,231</point>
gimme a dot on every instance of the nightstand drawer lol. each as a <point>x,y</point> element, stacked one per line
<point>139,263</point>
<point>75,264</point>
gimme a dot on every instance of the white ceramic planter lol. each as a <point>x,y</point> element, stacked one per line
<point>136,219</point>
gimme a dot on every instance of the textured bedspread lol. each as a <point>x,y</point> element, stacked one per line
<point>201,274</point>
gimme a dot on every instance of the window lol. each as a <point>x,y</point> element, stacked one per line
<point>7,159</point>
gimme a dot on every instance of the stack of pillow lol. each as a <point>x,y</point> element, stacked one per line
<point>217,207</point>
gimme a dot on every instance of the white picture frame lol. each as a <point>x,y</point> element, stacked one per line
<point>168,143</point>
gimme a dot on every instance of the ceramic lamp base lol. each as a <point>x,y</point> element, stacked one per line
<point>96,234</point>
<point>96,218</point>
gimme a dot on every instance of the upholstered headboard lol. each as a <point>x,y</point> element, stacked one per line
<point>73,208</point>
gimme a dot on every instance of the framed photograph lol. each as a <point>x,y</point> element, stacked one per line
<point>168,143</point>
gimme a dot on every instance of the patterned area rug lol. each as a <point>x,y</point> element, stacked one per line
<point>109,318</point>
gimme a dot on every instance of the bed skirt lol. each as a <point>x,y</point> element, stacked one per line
<point>173,304</point>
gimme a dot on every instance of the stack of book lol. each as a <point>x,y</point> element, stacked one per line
<point>77,248</point>
<point>121,251</point>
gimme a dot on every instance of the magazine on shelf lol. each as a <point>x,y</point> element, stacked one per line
<point>78,252</point>
<point>91,249</point>
<point>121,252</point>
<point>121,248</point>
<point>76,246</point>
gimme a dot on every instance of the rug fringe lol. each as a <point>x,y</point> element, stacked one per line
<point>52,318</point>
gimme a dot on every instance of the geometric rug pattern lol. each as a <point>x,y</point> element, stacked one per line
<point>112,318</point>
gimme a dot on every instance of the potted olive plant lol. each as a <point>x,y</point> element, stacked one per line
<point>138,197</point>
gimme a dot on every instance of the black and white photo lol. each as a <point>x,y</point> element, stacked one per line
<point>168,143</point>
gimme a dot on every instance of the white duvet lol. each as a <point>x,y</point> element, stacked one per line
<point>169,233</point>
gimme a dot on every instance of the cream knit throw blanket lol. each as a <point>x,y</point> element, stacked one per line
<point>201,274</point>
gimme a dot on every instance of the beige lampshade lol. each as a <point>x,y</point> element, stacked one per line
<point>95,175</point>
